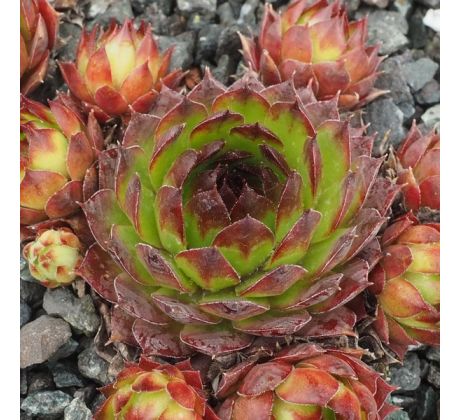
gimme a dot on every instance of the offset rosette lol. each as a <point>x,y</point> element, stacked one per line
<point>419,169</point>
<point>39,27</point>
<point>54,256</point>
<point>57,147</point>
<point>233,213</point>
<point>406,282</point>
<point>315,43</point>
<point>304,382</point>
<point>119,69</point>
<point>153,391</point>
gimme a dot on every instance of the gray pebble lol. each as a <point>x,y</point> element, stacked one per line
<point>79,313</point>
<point>64,351</point>
<point>46,403</point>
<point>434,376</point>
<point>403,6</point>
<point>23,382</point>
<point>207,42</point>
<point>41,338</point>
<point>229,42</point>
<point>97,402</point>
<point>182,56</point>
<point>31,292</point>
<point>434,4</point>
<point>419,73</point>
<point>384,116</point>
<point>431,117</point>
<point>388,28</point>
<point>25,313</point>
<point>378,3</point>
<point>92,366</point>
<point>225,67</point>
<point>103,11</point>
<point>188,6</point>
<point>428,404</point>
<point>429,94</point>
<point>407,377</point>
<point>398,415</point>
<point>433,354</point>
<point>418,32</point>
<point>226,15</point>
<point>77,410</point>
<point>64,377</point>
<point>40,381</point>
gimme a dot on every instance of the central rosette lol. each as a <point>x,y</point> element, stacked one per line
<point>232,211</point>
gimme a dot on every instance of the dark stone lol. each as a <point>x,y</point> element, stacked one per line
<point>434,4</point>
<point>392,79</point>
<point>248,13</point>
<point>352,5</point>
<point>40,381</point>
<point>207,43</point>
<point>86,393</point>
<point>428,401</point>
<point>398,415</point>
<point>188,6</point>
<point>23,382</point>
<point>64,351</point>
<point>69,36</point>
<point>25,313</point>
<point>432,48</point>
<point>165,6</point>
<point>184,46</point>
<point>31,292</point>
<point>226,14</point>
<point>434,376</point>
<point>384,116</point>
<point>418,32</point>
<point>42,338</point>
<point>79,313</point>
<point>77,410</point>
<point>388,28</point>
<point>433,354</point>
<point>225,67</point>
<point>229,41</point>
<point>97,402</point>
<point>65,377</point>
<point>198,21</point>
<point>46,403</point>
<point>103,11</point>
<point>92,366</point>
<point>407,377</point>
<point>429,94</point>
<point>419,73</point>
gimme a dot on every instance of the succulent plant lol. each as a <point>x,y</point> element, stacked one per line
<point>39,25</point>
<point>315,43</point>
<point>58,146</point>
<point>119,69</point>
<point>154,391</point>
<point>54,256</point>
<point>419,169</point>
<point>233,212</point>
<point>406,283</point>
<point>304,382</point>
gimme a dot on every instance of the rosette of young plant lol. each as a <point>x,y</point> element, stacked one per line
<point>54,256</point>
<point>316,43</point>
<point>304,382</point>
<point>418,168</point>
<point>406,282</point>
<point>58,146</point>
<point>119,70</point>
<point>149,390</point>
<point>232,213</point>
<point>39,26</point>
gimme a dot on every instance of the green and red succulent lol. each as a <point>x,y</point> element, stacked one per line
<point>58,146</point>
<point>314,43</point>
<point>419,169</point>
<point>406,283</point>
<point>39,26</point>
<point>305,382</point>
<point>231,213</point>
<point>149,390</point>
<point>54,257</point>
<point>119,70</point>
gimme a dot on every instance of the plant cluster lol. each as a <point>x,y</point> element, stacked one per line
<point>248,220</point>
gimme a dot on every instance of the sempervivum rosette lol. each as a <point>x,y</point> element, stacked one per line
<point>419,169</point>
<point>39,27</point>
<point>407,286</point>
<point>54,256</point>
<point>231,214</point>
<point>119,69</point>
<point>315,43</point>
<point>304,382</point>
<point>152,391</point>
<point>58,146</point>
